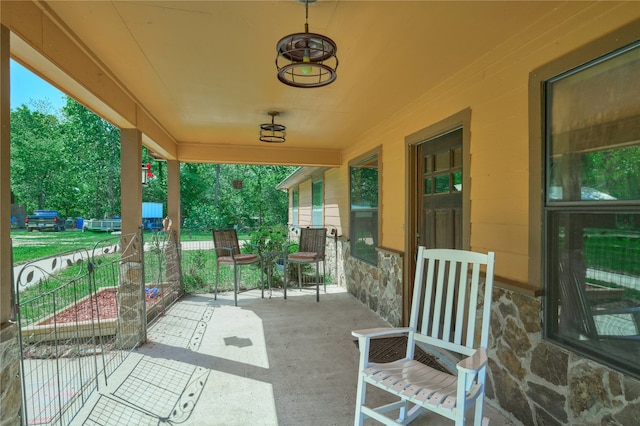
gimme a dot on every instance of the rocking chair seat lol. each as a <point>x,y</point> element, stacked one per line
<point>421,384</point>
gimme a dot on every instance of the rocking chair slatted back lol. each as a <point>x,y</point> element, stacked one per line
<point>452,277</point>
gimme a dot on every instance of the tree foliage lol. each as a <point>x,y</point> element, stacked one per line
<point>70,162</point>
<point>210,199</point>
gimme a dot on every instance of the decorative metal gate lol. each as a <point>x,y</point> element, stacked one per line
<point>70,310</point>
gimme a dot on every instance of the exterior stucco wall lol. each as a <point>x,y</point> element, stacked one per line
<point>495,89</point>
<point>533,381</point>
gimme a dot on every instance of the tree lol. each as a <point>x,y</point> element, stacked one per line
<point>210,200</point>
<point>71,162</point>
<point>95,168</point>
<point>38,160</point>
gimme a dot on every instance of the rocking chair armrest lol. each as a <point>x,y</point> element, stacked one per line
<point>473,363</point>
<point>381,331</point>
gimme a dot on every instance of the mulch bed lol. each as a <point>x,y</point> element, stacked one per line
<point>390,349</point>
<point>105,302</point>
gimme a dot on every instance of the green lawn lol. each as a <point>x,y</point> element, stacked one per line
<point>198,266</point>
<point>36,245</point>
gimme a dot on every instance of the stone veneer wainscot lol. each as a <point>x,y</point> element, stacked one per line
<point>10,385</point>
<point>531,380</point>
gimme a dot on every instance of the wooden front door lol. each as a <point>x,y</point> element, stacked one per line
<point>440,191</point>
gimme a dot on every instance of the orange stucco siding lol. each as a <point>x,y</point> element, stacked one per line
<point>336,208</point>
<point>304,208</point>
<point>495,88</point>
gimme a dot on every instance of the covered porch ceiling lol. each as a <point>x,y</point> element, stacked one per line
<point>198,77</point>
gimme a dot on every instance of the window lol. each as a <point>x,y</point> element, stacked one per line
<point>364,187</point>
<point>591,209</point>
<point>316,202</point>
<point>294,207</point>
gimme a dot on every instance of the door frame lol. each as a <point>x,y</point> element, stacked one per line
<point>461,120</point>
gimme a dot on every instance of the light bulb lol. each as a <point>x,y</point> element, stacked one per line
<point>306,70</point>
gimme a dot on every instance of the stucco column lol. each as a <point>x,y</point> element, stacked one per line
<point>5,179</point>
<point>131,297</point>
<point>173,195</point>
<point>10,386</point>
<point>131,180</point>
<point>174,274</point>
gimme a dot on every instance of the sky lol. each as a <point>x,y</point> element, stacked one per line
<point>27,87</point>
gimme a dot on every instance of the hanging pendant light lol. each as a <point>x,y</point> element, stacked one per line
<point>306,59</point>
<point>272,132</point>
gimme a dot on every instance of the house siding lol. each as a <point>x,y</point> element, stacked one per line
<point>335,196</point>
<point>304,208</point>
<point>495,88</point>
<point>531,380</point>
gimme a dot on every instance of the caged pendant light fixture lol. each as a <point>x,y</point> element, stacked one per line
<point>272,132</point>
<point>306,59</point>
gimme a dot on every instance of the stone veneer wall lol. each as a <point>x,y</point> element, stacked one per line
<point>334,261</point>
<point>536,382</point>
<point>10,382</point>
<point>378,287</point>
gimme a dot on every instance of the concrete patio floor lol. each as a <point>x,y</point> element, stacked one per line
<point>264,362</point>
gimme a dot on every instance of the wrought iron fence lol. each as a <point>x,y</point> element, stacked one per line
<point>163,272</point>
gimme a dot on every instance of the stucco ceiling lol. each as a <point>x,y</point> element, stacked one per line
<point>205,70</point>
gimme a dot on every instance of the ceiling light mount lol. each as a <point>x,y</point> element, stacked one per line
<point>306,59</point>
<point>272,132</point>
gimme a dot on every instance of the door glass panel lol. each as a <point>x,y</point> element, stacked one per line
<point>442,161</point>
<point>427,186</point>
<point>457,181</point>
<point>442,184</point>
<point>427,164</point>
<point>457,157</point>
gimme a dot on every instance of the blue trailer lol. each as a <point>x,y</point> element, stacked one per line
<point>152,216</point>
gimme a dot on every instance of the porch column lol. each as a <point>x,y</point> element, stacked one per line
<point>173,195</point>
<point>10,389</point>
<point>174,268</point>
<point>132,313</point>
<point>131,180</point>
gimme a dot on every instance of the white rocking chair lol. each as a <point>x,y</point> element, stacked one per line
<point>450,312</point>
